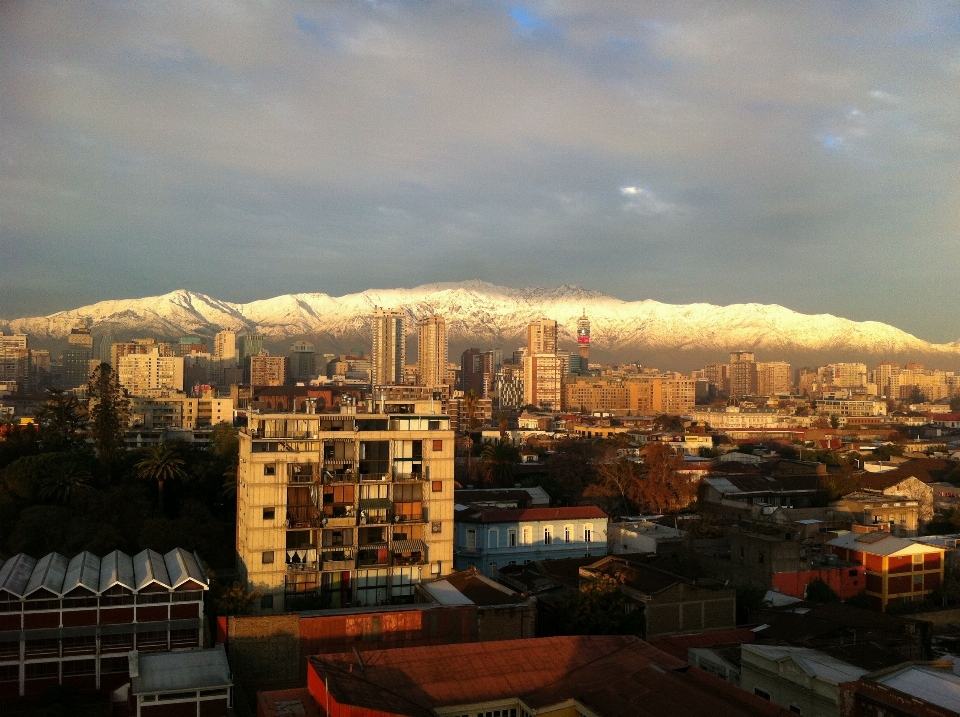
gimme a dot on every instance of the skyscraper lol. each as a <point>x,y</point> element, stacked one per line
<point>303,361</point>
<point>542,337</point>
<point>583,340</point>
<point>743,374</point>
<point>225,346</point>
<point>389,352</point>
<point>542,367</point>
<point>432,350</point>
<point>77,355</point>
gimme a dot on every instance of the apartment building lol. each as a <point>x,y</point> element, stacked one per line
<point>143,373</point>
<point>267,370</point>
<point>743,374</point>
<point>341,509</point>
<point>591,395</point>
<point>389,354</point>
<point>179,411</point>
<point>543,380</point>
<point>77,356</point>
<point>843,407</point>
<point>773,378</point>
<point>432,351</point>
<point>73,621</point>
<point>670,393</point>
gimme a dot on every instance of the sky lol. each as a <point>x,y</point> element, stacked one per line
<point>803,154</point>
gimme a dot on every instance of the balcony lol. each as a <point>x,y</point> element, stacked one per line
<point>373,554</point>
<point>374,477</point>
<point>409,477</point>
<point>302,559</point>
<point>331,477</point>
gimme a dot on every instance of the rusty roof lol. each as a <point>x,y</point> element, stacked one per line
<point>614,675</point>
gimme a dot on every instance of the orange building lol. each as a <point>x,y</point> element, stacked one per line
<point>897,569</point>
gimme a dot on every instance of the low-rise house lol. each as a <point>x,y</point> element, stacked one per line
<point>672,604</point>
<point>176,684</point>
<point>643,536</point>
<point>757,495</point>
<point>915,689</point>
<point>490,539</point>
<point>803,680</point>
<point>896,514</point>
<point>894,483</point>
<point>897,569</point>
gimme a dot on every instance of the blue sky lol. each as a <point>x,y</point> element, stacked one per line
<point>804,154</point>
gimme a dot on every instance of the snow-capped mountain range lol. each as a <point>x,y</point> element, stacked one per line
<point>488,315</point>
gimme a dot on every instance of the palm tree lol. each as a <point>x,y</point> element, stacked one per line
<point>62,420</point>
<point>161,465</point>
<point>65,482</point>
<point>497,461</point>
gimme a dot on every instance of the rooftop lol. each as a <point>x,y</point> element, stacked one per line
<point>936,682</point>
<point>813,662</point>
<point>612,675</point>
<point>881,543</point>
<point>182,670</point>
<point>473,515</point>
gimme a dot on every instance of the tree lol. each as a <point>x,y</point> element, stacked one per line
<point>599,608</point>
<point>663,488</point>
<point>64,485</point>
<point>109,409</point>
<point>224,442</point>
<point>616,481</point>
<point>162,464</point>
<point>62,420</point>
<point>497,461</point>
<point>819,591</point>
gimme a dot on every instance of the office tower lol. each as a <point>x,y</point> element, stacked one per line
<point>303,361</point>
<point>248,345</point>
<point>431,351</point>
<point>542,337</point>
<point>77,356</point>
<point>40,370</point>
<point>267,370</point>
<point>743,374</point>
<point>471,371</point>
<point>337,510</point>
<point>104,351</point>
<point>389,352</point>
<point>583,340</point>
<point>151,371</point>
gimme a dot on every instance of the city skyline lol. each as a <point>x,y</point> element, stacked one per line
<point>808,152</point>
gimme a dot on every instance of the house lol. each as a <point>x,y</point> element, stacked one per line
<point>754,494</point>
<point>672,604</point>
<point>896,514</point>
<point>895,483</point>
<point>914,689</point>
<point>176,684</point>
<point>490,539</point>
<point>896,568</point>
<point>596,675</point>
<point>533,497</point>
<point>643,536</point>
<point>73,621</point>
<point>804,680</point>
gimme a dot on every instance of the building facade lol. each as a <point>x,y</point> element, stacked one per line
<point>389,354</point>
<point>143,373</point>
<point>344,509</point>
<point>73,621</point>
<point>432,351</point>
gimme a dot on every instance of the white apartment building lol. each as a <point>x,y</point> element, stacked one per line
<point>144,373</point>
<point>335,510</point>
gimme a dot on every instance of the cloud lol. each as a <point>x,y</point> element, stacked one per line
<point>641,201</point>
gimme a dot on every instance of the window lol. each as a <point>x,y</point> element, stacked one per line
<point>79,667</point>
<point>918,559</point>
<point>471,537</point>
<point>796,709</point>
<point>852,573</point>
<point>269,513</point>
<point>918,582</point>
<point>437,486</point>
<point>269,470</point>
<point>493,538</point>
<point>548,535</point>
<point>266,602</point>
<point>436,527</point>
<point>527,536</point>
<point>437,446</point>
<point>588,533</point>
<point>567,533</point>
<point>266,557</point>
<point>512,537</point>
<point>760,560</point>
<point>762,694</point>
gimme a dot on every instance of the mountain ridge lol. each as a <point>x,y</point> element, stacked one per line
<point>479,311</point>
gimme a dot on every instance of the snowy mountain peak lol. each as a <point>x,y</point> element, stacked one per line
<point>486,314</point>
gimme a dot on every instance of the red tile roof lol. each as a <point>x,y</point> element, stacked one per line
<point>677,645</point>
<point>614,675</point>
<point>511,516</point>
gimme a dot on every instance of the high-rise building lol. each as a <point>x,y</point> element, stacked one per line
<point>542,337</point>
<point>346,509</point>
<point>267,370</point>
<point>77,356</point>
<point>743,374</point>
<point>844,375</point>
<point>670,393</point>
<point>303,361</point>
<point>389,353</point>
<point>773,378</point>
<point>249,344</point>
<point>583,340</point>
<point>137,346</point>
<point>431,351</point>
<point>191,345</point>
<point>143,373</point>
<point>471,371</point>
<point>225,345</point>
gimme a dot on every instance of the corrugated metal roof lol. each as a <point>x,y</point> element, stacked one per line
<point>82,571</point>
<point>117,569</point>
<point>48,574</point>
<point>16,572</point>
<point>148,567</point>
<point>183,566</point>
<point>445,594</point>
<point>886,544</point>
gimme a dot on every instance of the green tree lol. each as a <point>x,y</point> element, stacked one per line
<point>233,599</point>
<point>109,409</point>
<point>62,421</point>
<point>224,442</point>
<point>599,608</point>
<point>66,484</point>
<point>497,462</point>
<point>161,465</point>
